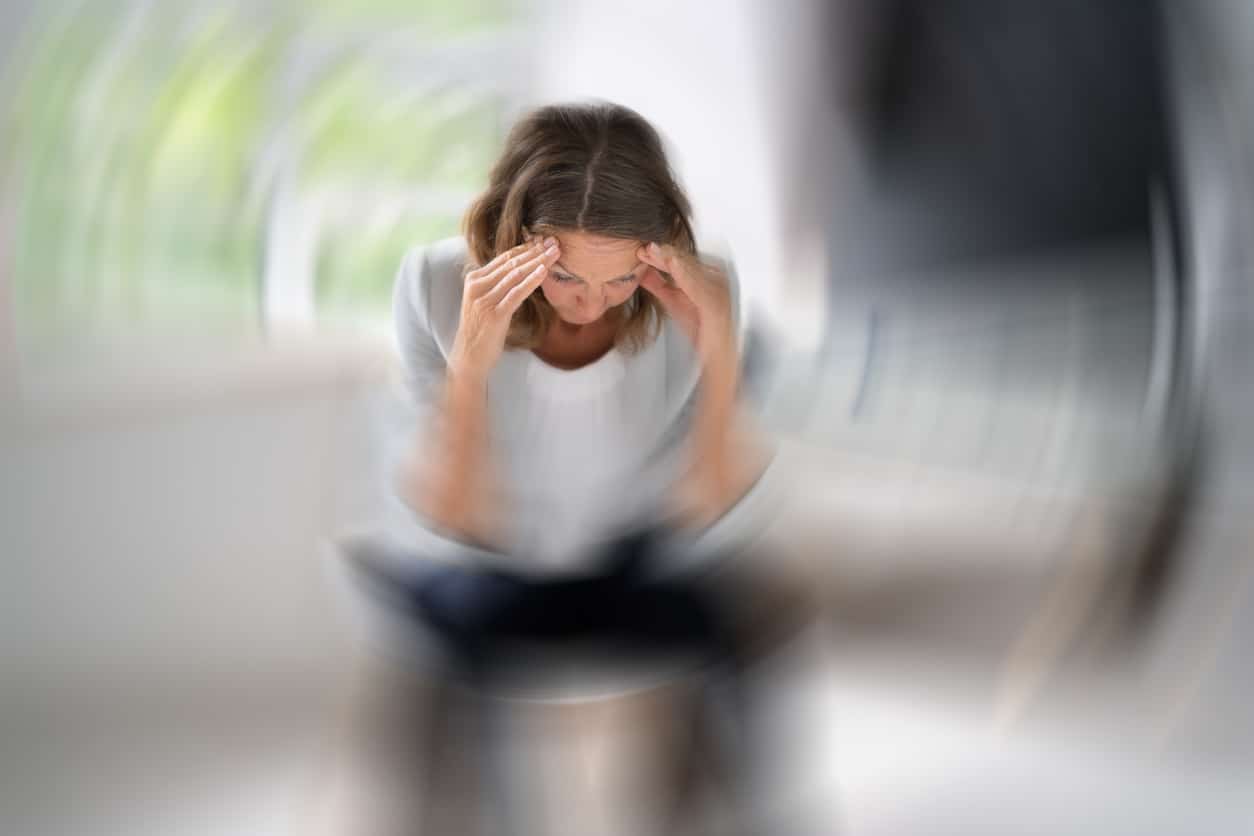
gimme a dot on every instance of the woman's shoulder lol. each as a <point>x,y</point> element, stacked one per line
<point>428,291</point>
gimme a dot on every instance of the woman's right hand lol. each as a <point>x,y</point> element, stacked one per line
<point>491,295</point>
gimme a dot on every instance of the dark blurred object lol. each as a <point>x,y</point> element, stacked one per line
<point>1030,123</point>
<point>983,139</point>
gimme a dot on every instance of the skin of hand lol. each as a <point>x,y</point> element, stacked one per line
<point>491,295</point>
<point>697,298</point>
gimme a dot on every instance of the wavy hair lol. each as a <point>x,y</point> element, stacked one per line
<point>595,167</point>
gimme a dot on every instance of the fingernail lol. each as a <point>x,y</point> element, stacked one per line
<point>654,249</point>
<point>550,241</point>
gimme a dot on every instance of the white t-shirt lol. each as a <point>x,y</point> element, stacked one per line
<point>580,455</point>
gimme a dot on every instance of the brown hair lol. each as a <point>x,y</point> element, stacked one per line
<point>595,167</point>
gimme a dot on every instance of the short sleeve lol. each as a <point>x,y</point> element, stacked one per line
<point>422,363</point>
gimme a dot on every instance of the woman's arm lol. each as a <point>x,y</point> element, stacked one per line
<point>726,457</point>
<point>448,480</point>
<point>448,477</point>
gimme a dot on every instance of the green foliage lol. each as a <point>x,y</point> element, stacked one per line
<point>356,270</point>
<point>137,162</point>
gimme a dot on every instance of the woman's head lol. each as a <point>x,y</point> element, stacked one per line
<point>596,176</point>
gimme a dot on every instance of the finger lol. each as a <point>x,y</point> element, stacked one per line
<point>669,295</point>
<point>503,266</point>
<point>521,291</point>
<point>657,259</point>
<point>667,255</point>
<point>516,255</point>
<point>653,255</point>
<point>522,273</point>
<point>481,280</point>
<point>493,288</point>
<point>673,300</point>
<point>493,265</point>
<point>671,261</point>
<point>653,282</point>
<point>535,250</point>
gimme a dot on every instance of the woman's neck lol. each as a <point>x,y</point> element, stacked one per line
<point>569,346</point>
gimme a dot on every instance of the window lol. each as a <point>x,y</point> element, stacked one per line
<point>226,171</point>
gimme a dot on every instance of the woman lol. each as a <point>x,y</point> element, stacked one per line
<point>575,367</point>
<point>574,364</point>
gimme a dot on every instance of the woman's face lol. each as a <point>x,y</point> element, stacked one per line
<point>593,274</point>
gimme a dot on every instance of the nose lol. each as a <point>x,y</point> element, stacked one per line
<point>593,300</point>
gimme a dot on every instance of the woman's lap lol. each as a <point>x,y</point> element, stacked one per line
<point>476,610</point>
<point>491,602</point>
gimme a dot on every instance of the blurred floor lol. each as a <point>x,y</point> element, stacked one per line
<point>182,688</point>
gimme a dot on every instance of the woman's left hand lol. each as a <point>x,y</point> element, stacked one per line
<point>698,299</point>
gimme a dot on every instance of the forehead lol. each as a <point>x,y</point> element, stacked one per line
<point>596,258</point>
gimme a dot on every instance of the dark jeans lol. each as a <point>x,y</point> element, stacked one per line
<point>476,611</point>
<point>620,606</point>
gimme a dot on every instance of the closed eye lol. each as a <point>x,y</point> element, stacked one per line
<point>564,279</point>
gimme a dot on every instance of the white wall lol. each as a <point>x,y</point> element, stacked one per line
<point>175,536</point>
